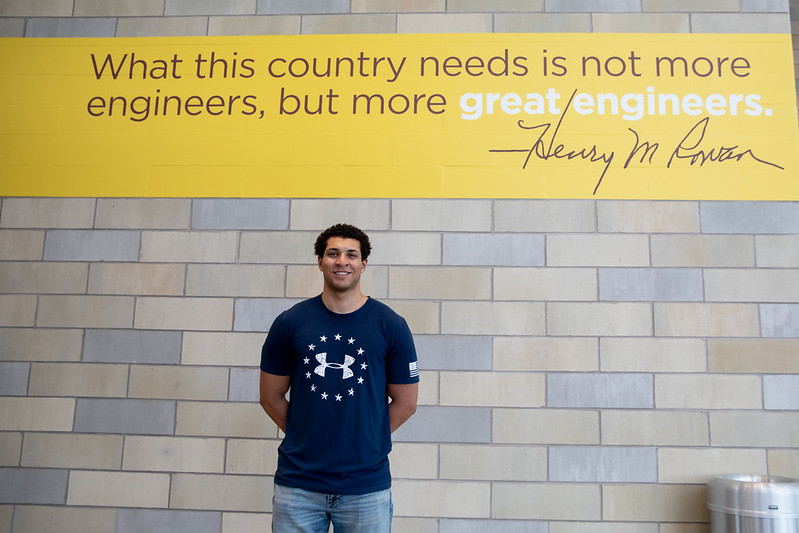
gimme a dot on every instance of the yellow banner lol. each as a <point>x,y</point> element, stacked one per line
<point>643,116</point>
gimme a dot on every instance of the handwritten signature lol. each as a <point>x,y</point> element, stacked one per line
<point>688,149</point>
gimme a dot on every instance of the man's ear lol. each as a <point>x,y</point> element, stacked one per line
<point>319,262</point>
<point>363,265</point>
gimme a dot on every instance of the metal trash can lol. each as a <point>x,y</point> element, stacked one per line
<point>753,504</point>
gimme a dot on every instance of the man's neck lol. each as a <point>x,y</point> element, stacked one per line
<point>343,303</point>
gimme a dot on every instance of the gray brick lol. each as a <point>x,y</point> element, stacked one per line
<point>740,23</point>
<point>770,6</point>
<point>446,424</point>
<point>460,525</point>
<point>593,6</point>
<point>454,352</point>
<point>138,520</point>
<point>779,392</point>
<point>750,217</point>
<point>129,346</point>
<point>240,214</point>
<point>294,7</point>
<point>70,27</point>
<point>779,320</point>
<point>496,249</point>
<point>632,391</point>
<point>33,486</point>
<point>254,314</point>
<point>650,284</point>
<point>14,379</point>
<point>136,417</point>
<point>88,245</point>
<point>603,464</point>
<point>244,384</point>
<point>12,27</point>
<point>209,7</point>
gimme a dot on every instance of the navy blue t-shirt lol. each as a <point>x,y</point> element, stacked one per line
<point>337,431</point>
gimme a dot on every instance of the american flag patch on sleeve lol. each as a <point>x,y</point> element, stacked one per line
<point>414,369</point>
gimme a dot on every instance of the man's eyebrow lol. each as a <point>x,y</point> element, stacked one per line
<point>334,249</point>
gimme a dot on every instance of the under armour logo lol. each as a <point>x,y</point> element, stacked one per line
<point>324,365</point>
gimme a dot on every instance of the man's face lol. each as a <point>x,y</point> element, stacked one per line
<point>341,264</point>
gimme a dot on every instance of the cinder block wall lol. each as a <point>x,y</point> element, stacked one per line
<point>588,365</point>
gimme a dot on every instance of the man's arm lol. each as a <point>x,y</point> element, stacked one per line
<point>273,391</point>
<point>403,403</point>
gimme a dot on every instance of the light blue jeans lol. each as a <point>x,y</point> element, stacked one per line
<point>302,511</point>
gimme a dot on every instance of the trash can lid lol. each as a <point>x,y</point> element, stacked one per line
<point>754,495</point>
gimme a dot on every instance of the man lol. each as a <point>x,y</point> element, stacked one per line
<point>350,364</point>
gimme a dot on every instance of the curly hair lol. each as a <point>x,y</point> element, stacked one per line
<point>345,231</point>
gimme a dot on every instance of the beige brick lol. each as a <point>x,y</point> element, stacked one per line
<point>754,429</point>
<point>545,426</point>
<point>494,463</point>
<point>603,319</point>
<point>708,391</point>
<point>36,8</point>
<point>414,525</point>
<point>238,522</point>
<point>444,23</point>
<point>17,310</point>
<point>118,8</point>
<point>706,320</point>
<point>445,283</point>
<point>306,281</point>
<point>542,23</point>
<point>118,489</point>
<point>6,514</point>
<point>10,448</point>
<point>85,311</point>
<point>602,527</point>
<point>441,499</point>
<point>683,528</point>
<point>216,419</point>
<point>655,427</point>
<point>405,249</point>
<point>441,215</point>
<point>236,280</point>
<point>348,24</point>
<point>777,251</point>
<point>546,354</point>
<point>178,382</point>
<point>40,344</point>
<point>184,313</point>
<point>652,355</point>
<point>42,278</point>
<point>292,247</point>
<point>493,389</point>
<point>136,279</point>
<point>36,414</point>
<point>251,456</point>
<point>740,23</point>
<point>428,388</point>
<point>654,503</point>
<point>189,247</point>
<point>173,454</point>
<point>318,214</point>
<point>593,250</point>
<point>21,245</point>
<point>686,465</point>
<point>221,492</point>
<point>741,285</point>
<point>139,213</point>
<point>50,519</point>
<point>784,463</point>
<point>641,23</point>
<point>753,356</point>
<point>548,284</point>
<point>553,501</point>
<point>422,317</point>
<point>223,349</point>
<point>161,26</point>
<point>648,217</point>
<point>78,379</point>
<point>414,461</point>
<point>70,450</point>
<point>255,25</point>
<point>397,6</point>
<point>687,6</point>
<point>492,318</point>
<point>702,251</point>
<point>541,216</point>
<point>494,5</point>
<point>48,213</point>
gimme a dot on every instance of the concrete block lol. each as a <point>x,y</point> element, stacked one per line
<point>702,251</point>
<point>189,247</point>
<point>235,280</point>
<point>753,356</point>
<point>291,7</point>
<point>47,213</point>
<point>493,389</point>
<point>118,8</point>
<point>691,465</point>
<point>257,314</point>
<point>777,6</point>
<point>455,525</point>
<point>599,319</point>
<point>603,464</point>
<point>654,428</point>
<point>244,384</point>
<point>708,391</point>
<point>240,214</point>
<point>11,28</point>
<point>206,7</point>
<point>161,26</point>
<point>118,489</point>
<point>24,8</point>
<point>11,449</point>
<point>85,311</point>
<point>440,283</point>
<point>137,279</point>
<point>706,320</point>
<point>493,249</point>
<point>545,426</point>
<point>428,388</point>
<point>78,379</point>
<point>405,249</point>
<point>596,6</point>
<point>749,217</point>
<point>400,6</point>
<point>235,522</point>
<point>50,519</point>
<point>184,313</point>
<point>414,461</point>
<point>543,216</point>
<point>14,379</point>
<point>292,247</point>
<point>453,352</point>
<point>224,349</point>
<point>691,6</point>
<point>43,278</point>
<point>132,346</point>
<point>547,284</point>
<point>33,486</point>
<point>140,213</point>
<point>254,25</point>
<point>592,250</point>
<point>774,251</point>
<point>631,391</point>
<point>740,23</point>
<point>752,285</point>
<point>493,463</point>
<point>492,318</point>
<point>754,429</point>
<point>647,217</point>
<point>654,503</point>
<point>125,416</point>
<point>251,456</point>
<point>423,317</point>
<point>779,320</point>
<point>542,23</point>
<point>641,23</point>
<point>173,454</point>
<point>178,382</point>
<point>652,355</point>
<point>174,521</point>
<point>36,414</point>
<point>40,344</point>
<point>221,492</point>
<point>348,24</point>
<point>70,27</point>
<point>784,463</point>
<point>17,310</point>
<point>319,214</point>
<point>441,499</point>
<point>223,419</point>
<point>779,392</point>
<point>21,245</point>
<point>72,450</point>
<point>444,23</point>
<point>494,6</point>
<point>441,215</point>
<point>650,284</point>
<point>546,354</point>
<point>554,501</point>
<point>446,424</point>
